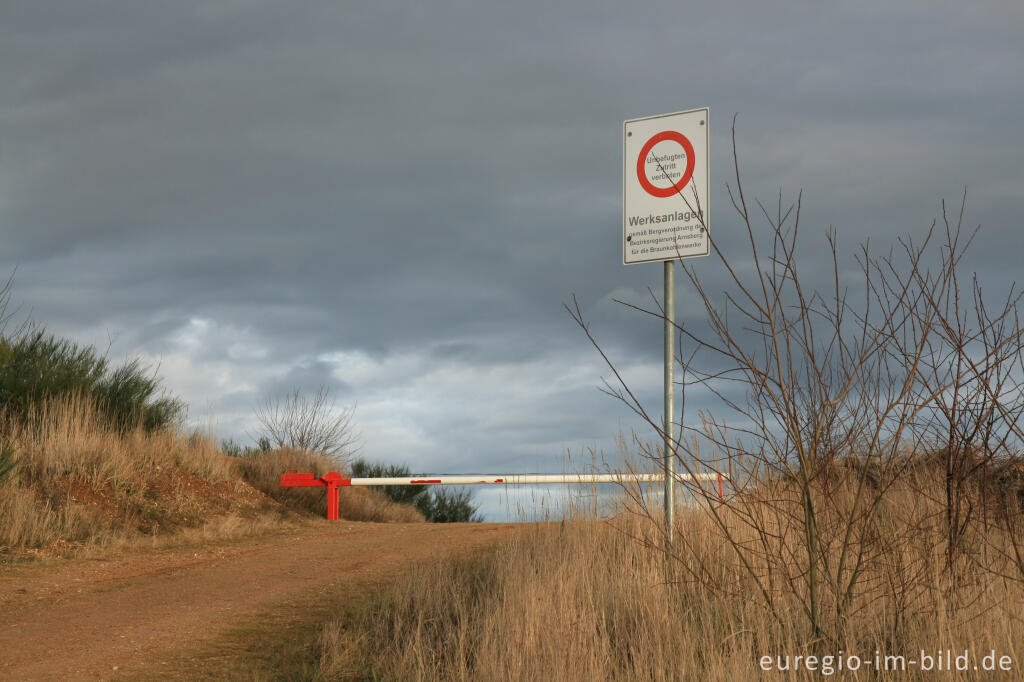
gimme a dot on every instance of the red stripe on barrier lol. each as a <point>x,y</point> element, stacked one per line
<point>297,480</point>
<point>426,480</point>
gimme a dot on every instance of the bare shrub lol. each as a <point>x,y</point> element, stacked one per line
<point>313,424</point>
<point>828,398</point>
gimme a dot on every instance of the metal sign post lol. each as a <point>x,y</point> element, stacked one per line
<point>670,365</point>
<point>665,217</point>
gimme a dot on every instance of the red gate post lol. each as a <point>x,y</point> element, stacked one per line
<point>293,479</point>
<point>333,480</point>
<point>332,502</point>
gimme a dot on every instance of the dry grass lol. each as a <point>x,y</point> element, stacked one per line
<point>68,438</point>
<point>589,600</point>
<point>78,483</point>
<point>367,504</point>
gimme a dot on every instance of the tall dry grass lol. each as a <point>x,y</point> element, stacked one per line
<point>69,437</point>
<point>598,600</point>
<point>77,479</point>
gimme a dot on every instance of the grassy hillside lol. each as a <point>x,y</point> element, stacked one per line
<point>71,478</point>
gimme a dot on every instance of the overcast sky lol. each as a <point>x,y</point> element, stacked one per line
<point>395,199</point>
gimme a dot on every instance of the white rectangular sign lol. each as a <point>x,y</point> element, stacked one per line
<point>665,187</point>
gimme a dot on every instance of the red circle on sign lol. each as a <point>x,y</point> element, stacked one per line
<point>641,173</point>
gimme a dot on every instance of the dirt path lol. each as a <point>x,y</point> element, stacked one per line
<point>104,619</point>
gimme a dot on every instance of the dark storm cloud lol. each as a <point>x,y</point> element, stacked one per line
<point>308,379</point>
<point>245,189</point>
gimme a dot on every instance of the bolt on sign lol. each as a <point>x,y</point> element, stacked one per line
<point>665,187</point>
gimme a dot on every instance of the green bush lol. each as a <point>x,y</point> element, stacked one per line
<point>36,367</point>
<point>403,494</point>
<point>438,505</point>
<point>232,449</point>
<point>443,505</point>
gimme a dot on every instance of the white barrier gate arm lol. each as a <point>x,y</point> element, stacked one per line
<point>332,481</point>
<point>513,479</point>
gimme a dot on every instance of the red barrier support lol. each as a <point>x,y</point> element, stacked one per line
<point>332,481</point>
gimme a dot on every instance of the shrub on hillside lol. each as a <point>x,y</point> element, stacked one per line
<point>36,366</point>
<point>310,423</point>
